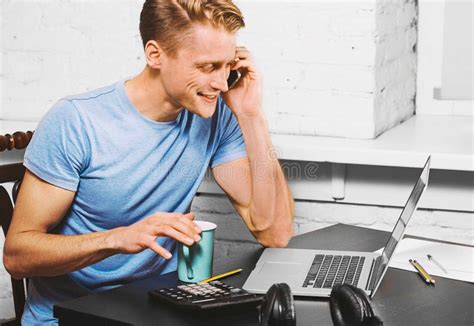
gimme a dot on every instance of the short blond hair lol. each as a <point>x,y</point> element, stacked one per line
<point>169,21</point>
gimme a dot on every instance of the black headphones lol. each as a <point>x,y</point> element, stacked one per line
<point>349,306</point>
<point>278,307</point>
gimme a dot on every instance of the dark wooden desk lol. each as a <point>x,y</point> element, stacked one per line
<point>402,299</point>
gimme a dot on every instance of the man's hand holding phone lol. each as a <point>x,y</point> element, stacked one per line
<point>234,77</point>
<point>244,97</point>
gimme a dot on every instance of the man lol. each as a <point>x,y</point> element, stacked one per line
<point>111,173</point>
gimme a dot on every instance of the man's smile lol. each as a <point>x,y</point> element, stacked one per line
<point>208,97</point>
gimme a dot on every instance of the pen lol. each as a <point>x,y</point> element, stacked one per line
<point>235,271</point>
<point>431,258</point>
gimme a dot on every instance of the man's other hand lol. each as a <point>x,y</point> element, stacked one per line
<point>143,234</point>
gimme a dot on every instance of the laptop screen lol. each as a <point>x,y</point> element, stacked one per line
<point>399,229</point>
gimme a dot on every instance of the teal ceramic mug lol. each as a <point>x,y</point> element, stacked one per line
<point>195,262</point>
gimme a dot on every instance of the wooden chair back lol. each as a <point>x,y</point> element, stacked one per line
<point>18,286</point>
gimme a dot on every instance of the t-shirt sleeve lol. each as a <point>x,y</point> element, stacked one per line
<point>58,150</point>
<point>231,144</point>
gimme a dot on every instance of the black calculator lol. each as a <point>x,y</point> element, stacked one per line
<point>206,296</point>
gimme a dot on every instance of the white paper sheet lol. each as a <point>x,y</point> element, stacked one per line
<point>457,260</point>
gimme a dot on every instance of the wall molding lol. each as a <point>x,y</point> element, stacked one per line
<point>373,185</point>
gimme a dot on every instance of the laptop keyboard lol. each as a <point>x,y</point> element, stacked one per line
<point>329,270</point>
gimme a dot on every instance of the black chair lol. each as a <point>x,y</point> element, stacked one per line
<point>18,286</point>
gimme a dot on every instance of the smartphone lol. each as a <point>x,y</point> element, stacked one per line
<point>233,78</point>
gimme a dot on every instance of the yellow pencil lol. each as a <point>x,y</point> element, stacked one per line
<point>421,271</point>
<point>235,271</point>
<point>430,278</point>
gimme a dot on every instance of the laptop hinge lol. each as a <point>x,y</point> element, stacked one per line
<point>373,273</point>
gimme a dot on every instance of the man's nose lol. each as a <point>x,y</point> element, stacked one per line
<point>219,80</point>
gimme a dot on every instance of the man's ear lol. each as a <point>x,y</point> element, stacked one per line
<point>153,54</point>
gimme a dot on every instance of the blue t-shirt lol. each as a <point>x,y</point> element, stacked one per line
<point>123,168</point>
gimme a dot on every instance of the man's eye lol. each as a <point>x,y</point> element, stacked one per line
<point>208,68</point>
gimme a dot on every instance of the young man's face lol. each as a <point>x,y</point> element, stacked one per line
<point>198,73</point>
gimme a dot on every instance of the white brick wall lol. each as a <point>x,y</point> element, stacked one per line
<point>324,63</point>
<point>1,61</point>
<point>338,66</point>
<point>57,48</point>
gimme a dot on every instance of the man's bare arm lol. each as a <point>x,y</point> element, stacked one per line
<point>31,251</point>
<point>257,185</point>
<point>258,190</point>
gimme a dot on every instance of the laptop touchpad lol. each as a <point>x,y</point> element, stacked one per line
<point>283,272</point>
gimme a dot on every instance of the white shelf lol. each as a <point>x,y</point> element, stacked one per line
<point>448,139</point>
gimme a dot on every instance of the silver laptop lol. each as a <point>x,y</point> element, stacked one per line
<point>314,272</point>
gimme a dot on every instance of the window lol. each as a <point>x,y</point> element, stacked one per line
<point>456,76</point>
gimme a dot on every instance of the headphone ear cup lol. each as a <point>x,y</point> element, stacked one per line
<point>335,307</point>
<point>370,318</point>
<point>267,306</point>
<point>287,305</point>
<point>278,308</point>
<point>346,306</point>
<point>366,306</point>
